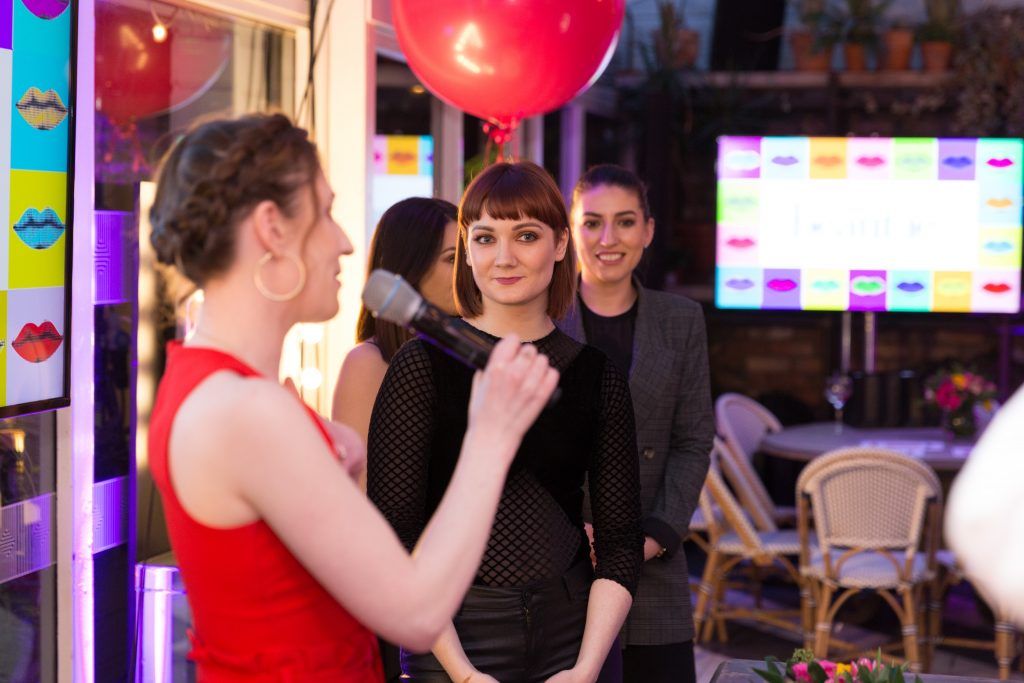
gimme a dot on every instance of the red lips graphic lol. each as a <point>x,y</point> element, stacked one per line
<point>740,242</point>
<point>36,343</point>
<point>997,287</point>
<point>1000,163</point>
<point>870,162</point>
<point>828,161</point>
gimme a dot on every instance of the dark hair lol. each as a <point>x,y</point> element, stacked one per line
<point>511,191</point>
<point>407,242</point>
<point>614,176</point>
<point>214,175</point>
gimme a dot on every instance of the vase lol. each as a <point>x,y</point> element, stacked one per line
<point>960,423</point>
<point>936,55</point>
<point>899,43</point>
<point>855,56</point>
<point>806,55</point>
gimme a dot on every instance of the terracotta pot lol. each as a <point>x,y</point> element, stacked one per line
<point>856,57</point>
<point>899,44</point>
<point>804,56</point>
<point>936,56</point>
<point>683,51</point>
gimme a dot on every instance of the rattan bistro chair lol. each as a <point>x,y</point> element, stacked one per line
<point>877,522</point>
<point>1006,643</point>
<point>743,423</point>
<point>732,539</point>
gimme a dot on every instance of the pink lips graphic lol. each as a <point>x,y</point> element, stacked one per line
<point>1000,163</point>
<point>781,285</point>
<point>871,162</point>
<point>740,242</point>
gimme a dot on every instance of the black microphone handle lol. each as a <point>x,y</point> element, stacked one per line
<point>458,339</point>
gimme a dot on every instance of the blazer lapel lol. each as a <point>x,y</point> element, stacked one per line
<point>647,373</point>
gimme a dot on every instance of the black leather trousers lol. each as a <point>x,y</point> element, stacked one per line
<point>517,635</point>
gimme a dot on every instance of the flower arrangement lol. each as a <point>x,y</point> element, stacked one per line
<point>804,667</point>
<point>957,393</point>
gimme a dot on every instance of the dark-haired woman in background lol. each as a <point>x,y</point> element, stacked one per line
<point>537,610</point>
<point>659,341</point>
<point>415,238</point>
<point>287,566</point>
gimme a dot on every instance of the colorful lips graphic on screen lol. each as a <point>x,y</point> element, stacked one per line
<point>910,287</point>
<point>42,110</point>
<point>958,162</point>
<point>1000,203</point>
<point>742,160</point>
<point>739,283</point>
<point>781,285</point>
<point>785,160</point>
<point>825,286</point>
<point>913,162</point>
<point>740,242</point>
<point>998,247</point>
<point>46,9</point>
<point>36,343</point>
<point>871,161</point>
<point>867,285</point>
<point>828,161</point>
<point>1000,163</point>
<point>996,287</point>
<point>952,288</point>
<point>39,230</point>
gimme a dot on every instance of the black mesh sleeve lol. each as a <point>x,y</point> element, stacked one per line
<point>398,443</point>
<point>614,480</point>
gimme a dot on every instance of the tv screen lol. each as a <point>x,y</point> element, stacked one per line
<point>869,224</point>
<point>36,74</point>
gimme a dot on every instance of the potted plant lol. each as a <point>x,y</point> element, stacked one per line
<point>863,18</point>
<point>898,45</point>
<point>962,396</point>
<point>675,45</point>
<point>814,42</point>
<point>938,33</point>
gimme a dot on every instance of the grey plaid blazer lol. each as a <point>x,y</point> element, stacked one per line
<point>671,394</point>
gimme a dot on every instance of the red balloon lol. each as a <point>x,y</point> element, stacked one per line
<point>138,76</point>
<point>505,60</point>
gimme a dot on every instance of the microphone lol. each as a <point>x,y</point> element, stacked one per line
<point>393,299</point>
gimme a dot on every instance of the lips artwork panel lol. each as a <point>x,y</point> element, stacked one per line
<point>996,290</point>
<point>36,346</point>
<point>40,86</point>
<point>36,229</point>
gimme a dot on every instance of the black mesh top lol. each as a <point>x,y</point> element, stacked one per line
<point>416,432</point>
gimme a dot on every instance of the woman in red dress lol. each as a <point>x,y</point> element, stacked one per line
<point>288,568</point>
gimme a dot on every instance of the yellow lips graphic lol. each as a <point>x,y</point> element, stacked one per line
<point>42,110</point>
<point>999,203</point>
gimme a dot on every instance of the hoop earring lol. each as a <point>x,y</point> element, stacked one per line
<point>262,288</point>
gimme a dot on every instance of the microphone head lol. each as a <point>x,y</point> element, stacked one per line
<point>391,298</point>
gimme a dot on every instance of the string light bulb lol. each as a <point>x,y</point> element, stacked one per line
<point>159,32</point>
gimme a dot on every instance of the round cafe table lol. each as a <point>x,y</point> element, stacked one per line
<point>928,444</point>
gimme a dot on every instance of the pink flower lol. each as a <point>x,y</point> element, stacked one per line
<point>800,671</point>
<point>869,663</point>
<point>829,667</point>
<point>947,397</point>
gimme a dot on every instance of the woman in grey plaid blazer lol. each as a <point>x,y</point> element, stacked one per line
<point>660,341</point>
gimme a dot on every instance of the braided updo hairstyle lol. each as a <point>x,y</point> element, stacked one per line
<point>214,175</point>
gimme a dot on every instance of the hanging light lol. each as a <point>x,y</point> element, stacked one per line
<point>161,28</point>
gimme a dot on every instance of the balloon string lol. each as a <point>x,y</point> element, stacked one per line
<point>499,137</point>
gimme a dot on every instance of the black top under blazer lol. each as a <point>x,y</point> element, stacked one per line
<point>670,386</point>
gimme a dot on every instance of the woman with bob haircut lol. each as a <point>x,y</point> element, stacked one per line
<point>287,566</point>
<point>538,609</point>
